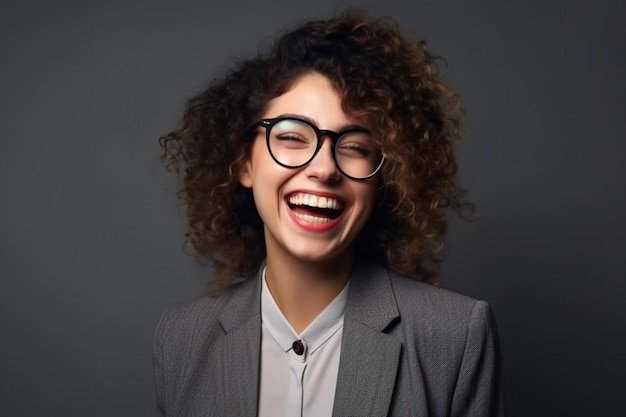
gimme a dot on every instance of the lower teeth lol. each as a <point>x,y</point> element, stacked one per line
<point>312,219</point>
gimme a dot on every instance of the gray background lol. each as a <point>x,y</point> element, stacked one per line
<point>90,235</point>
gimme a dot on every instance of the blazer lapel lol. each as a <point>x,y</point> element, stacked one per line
<point>241,321</point>
<point>369,356</point>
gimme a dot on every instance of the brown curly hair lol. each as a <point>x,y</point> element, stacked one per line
<point>388,81</point>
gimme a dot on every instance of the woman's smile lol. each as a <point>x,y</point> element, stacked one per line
<point>314,208</point>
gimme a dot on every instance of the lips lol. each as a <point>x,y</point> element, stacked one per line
<point>314,209</point>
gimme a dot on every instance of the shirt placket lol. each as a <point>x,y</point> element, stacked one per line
<point>298,363</point>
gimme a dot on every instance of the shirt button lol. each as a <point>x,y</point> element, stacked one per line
<point>298,347</point>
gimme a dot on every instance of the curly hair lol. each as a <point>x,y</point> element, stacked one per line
<point>386,80</point>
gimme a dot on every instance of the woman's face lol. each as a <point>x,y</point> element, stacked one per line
<point>314,212</point>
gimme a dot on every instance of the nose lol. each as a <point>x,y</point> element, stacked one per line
<point>323,166</point>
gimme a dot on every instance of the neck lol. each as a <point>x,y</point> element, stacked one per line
<point>303,289</point>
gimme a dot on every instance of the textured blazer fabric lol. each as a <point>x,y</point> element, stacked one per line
<point>408,349</point>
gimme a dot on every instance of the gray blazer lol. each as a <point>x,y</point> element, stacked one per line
<point>408,349</point>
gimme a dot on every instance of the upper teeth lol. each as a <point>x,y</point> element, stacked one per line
<point>310,200</point>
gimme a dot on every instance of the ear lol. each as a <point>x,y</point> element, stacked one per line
<point>245,174</point>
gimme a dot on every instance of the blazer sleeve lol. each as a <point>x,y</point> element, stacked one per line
<point>478,391</point>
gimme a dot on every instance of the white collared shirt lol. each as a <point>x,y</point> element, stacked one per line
<point>293,385</point>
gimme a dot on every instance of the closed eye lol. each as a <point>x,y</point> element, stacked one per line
<point>292,140</point>
<point>354,150</point>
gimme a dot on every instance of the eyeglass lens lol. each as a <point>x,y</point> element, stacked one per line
<point>293,143</point>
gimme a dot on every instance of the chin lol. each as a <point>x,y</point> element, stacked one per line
<point>320,255</point>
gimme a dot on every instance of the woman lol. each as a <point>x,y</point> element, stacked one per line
<point>317,176</point>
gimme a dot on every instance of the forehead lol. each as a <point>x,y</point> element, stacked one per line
<point>313,98</point>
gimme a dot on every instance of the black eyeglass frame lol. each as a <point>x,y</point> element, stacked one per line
<point>320,133</point>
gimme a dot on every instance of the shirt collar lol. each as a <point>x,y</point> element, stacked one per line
<point>327,323</point>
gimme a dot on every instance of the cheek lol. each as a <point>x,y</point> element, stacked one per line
<point>367,196</point>
<point>267,179</point>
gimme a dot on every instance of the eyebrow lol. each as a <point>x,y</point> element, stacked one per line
<point>343,128</point>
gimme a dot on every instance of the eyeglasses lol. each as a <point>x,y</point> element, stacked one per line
<point>293,143</point>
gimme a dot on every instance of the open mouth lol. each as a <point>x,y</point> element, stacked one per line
<point>314,209</point>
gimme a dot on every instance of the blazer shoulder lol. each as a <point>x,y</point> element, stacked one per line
<point>436,306</point>
<point>425,291</point>
<point>188,318</point>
